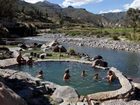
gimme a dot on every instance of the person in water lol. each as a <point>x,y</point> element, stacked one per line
<point>20,59</point>
<point>110,76</point>
<point>40,74</point>
<point>83,74</point>
<point>66,75</point>
<point>30,61</point>
<point>96,77</point>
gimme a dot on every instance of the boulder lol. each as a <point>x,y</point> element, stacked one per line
<point>53,43</point>
<point>59,48</point>
<point>99,62</point>
<point>5,53</point>
<point>66,93</point>
<point>9,97</point>
<point>42,56</point>
<point>98,57</point>
<point>23,46</point>
<point>3,41</point>
<point>15,54</point>
<point>3,31</point>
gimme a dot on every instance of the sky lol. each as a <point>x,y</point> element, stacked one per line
<point>97,6</point>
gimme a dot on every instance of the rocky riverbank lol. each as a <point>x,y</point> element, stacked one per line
<point>90,41</point>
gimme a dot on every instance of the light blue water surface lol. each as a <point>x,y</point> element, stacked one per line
<point>54,71</point>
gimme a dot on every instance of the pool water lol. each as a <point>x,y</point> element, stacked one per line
<point>54,71</point>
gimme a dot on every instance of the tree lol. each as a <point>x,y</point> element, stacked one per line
<point>8,8</point>
<point>134,18</point>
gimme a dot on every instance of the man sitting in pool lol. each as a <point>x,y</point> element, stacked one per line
<point>111,76</point>
<point>66,76</point>
<point>20,59</point>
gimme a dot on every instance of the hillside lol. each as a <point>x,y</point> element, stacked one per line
<point>72,15</point>
<point>28,17</point>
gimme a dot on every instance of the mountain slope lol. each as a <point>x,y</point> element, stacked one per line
<point>74,15</point>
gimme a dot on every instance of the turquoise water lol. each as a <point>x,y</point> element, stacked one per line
<point>53,71</point>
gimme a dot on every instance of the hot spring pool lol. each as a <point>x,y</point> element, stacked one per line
<point>53,71</point>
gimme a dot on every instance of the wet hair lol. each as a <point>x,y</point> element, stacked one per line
<point>96,74</point>
<point>110,72</point>
<point>67,71</point>
<point>84,71</point>
<point>40,72</point>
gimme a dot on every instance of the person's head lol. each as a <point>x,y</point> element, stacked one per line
<point>96,75</point>
<point>110,72</point>
<point>84,71</point>
<point>67,71</point>
<point>40,72</point>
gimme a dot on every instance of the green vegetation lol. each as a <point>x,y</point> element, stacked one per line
<point>50,54</point>
<point>71,21</point>
<point>71,51</point>
<point>114,33</point>
<point>8,8</point>
<point>134,20</point>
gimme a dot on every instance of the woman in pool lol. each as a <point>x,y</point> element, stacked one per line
<point>40,74</point>
<point>83,74</point>
<point>110,76</point>
<point>66,76</point>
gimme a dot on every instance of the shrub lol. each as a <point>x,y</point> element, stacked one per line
<point>71,51</point>
<point>115,38</point>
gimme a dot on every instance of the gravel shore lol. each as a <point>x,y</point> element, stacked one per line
<point>90,41</point>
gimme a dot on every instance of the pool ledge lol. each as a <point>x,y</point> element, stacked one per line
<point>121,93</point>
<point>66,60</point>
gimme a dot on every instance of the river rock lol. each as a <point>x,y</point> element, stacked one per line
<point>57,101</point>
<point>23,46</point>
<point>53,43</point>
<point>66,93</point>
<point>3,31</point>
<point>9,97</point>
<point>99,62</point>
<point>15,54</point>
<point>82,103</point>
<point>5,53</point>
<point>59,48</point>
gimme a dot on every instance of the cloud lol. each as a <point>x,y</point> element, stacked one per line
<point>77,3</point>
<point>135,4</point>
<point>33,1</point>
<point>110,11</point>
<point>126,6</point>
